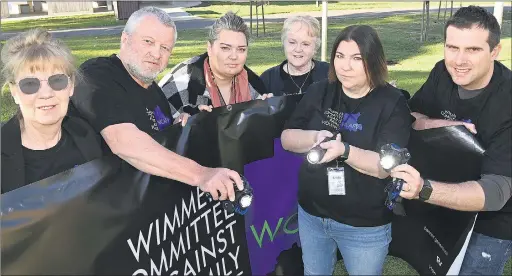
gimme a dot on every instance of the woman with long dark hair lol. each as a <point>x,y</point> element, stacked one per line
<point>341,199</point>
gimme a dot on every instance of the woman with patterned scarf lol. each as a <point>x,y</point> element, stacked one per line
<point>218,77</point>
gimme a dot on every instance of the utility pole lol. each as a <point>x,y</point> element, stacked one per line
<point>498,11</point>
<point>324,30</point>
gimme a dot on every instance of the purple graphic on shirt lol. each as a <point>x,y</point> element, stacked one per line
<point>467,121</point>
<point>272,225</point>
<point>162,120</point>
<point>350,123</point>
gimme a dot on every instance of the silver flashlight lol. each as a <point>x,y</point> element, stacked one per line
<point>315,155</point>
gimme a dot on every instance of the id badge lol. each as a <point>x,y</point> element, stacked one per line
<point>336,180</point>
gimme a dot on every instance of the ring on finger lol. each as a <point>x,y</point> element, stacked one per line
<point>406,188</point>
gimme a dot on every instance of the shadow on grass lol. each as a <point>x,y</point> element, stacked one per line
<point>273,3</point>
<point>206,12</point>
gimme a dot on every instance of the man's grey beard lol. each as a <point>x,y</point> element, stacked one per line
<point>137,73</point>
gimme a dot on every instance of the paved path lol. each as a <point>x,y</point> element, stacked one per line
<point>186,21</point>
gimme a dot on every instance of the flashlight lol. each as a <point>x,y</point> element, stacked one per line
<point>316,154</point>
<point>243,199</point>
<point>391,156</point>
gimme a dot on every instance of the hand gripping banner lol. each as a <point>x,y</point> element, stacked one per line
<point>107,218</point>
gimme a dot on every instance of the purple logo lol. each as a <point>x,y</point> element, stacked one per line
<point>349,122</point>
<point>161,119</point>
<point>467,121</point>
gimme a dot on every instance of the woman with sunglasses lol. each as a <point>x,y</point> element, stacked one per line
<point>41,140</point>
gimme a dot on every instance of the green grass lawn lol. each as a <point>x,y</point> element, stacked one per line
<point>63,22</point>
<point>400,37</point>
<point>211,10</point>
<point>399,34</point>
<point>217,8</point>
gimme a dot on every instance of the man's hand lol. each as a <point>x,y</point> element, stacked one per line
<point>220,180</point>
<point>334,149</point>
<point>471,127</point>
<point>265,96</point>
<point>182,118</point>
<point>203,107</point>
<point>413,183</point>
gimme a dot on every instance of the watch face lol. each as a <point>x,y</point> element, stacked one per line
<point>425,192</point>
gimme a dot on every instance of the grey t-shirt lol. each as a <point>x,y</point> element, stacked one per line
<point>497,190</point>
<point>465,94</point>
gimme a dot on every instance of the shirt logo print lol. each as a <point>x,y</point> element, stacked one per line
<point>350,123</point>
<point>161,120</point>
<point>151,116</point>
<point>448,115</point>
<point>453,117</point>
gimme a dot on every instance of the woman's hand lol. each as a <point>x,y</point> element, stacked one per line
<point>334,149</point>
<point>320,136</point>
<point>203,107</point>
<point>182,118</point>
<point>265,96</point>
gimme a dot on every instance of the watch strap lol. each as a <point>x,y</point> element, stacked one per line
<point>345,154</point>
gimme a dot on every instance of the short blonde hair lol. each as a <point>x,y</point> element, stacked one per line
<point>35,50</point>
<point>312,23</point>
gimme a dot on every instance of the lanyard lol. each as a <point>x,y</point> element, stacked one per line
<point>347,111</point>
<point>343,120</point>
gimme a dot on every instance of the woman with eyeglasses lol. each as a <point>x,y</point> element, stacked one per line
<point>41,140</point>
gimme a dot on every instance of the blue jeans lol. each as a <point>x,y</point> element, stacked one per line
<point>485,255</point>
<point>364,249</point>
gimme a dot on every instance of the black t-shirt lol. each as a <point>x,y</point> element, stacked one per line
<point>108,95</point>
<point>490,111</point>
<point>379,118</point>
<point>295,84</point>
<point>40,164</point>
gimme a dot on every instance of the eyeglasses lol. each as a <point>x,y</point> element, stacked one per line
<point>31,85</point>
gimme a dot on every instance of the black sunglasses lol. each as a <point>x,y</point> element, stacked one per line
<point>31,85</point>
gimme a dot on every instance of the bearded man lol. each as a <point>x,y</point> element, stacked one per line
<point>118,96</point>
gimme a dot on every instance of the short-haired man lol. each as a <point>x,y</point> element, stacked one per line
<point>121,100</point>
<point>469,87</point>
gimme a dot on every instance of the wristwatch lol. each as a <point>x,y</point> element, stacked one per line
<point>345,154</point>
<point>426,190</point>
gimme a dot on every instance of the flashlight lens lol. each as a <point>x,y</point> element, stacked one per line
<point>387,162</point>
<point>246,201</point>
<point>313,157</point>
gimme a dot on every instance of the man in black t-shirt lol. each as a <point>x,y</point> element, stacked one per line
<point>469,87</point>
<point>120,99</point>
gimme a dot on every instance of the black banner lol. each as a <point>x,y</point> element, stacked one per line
<point>432,237</point>
<point>105,217</point>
